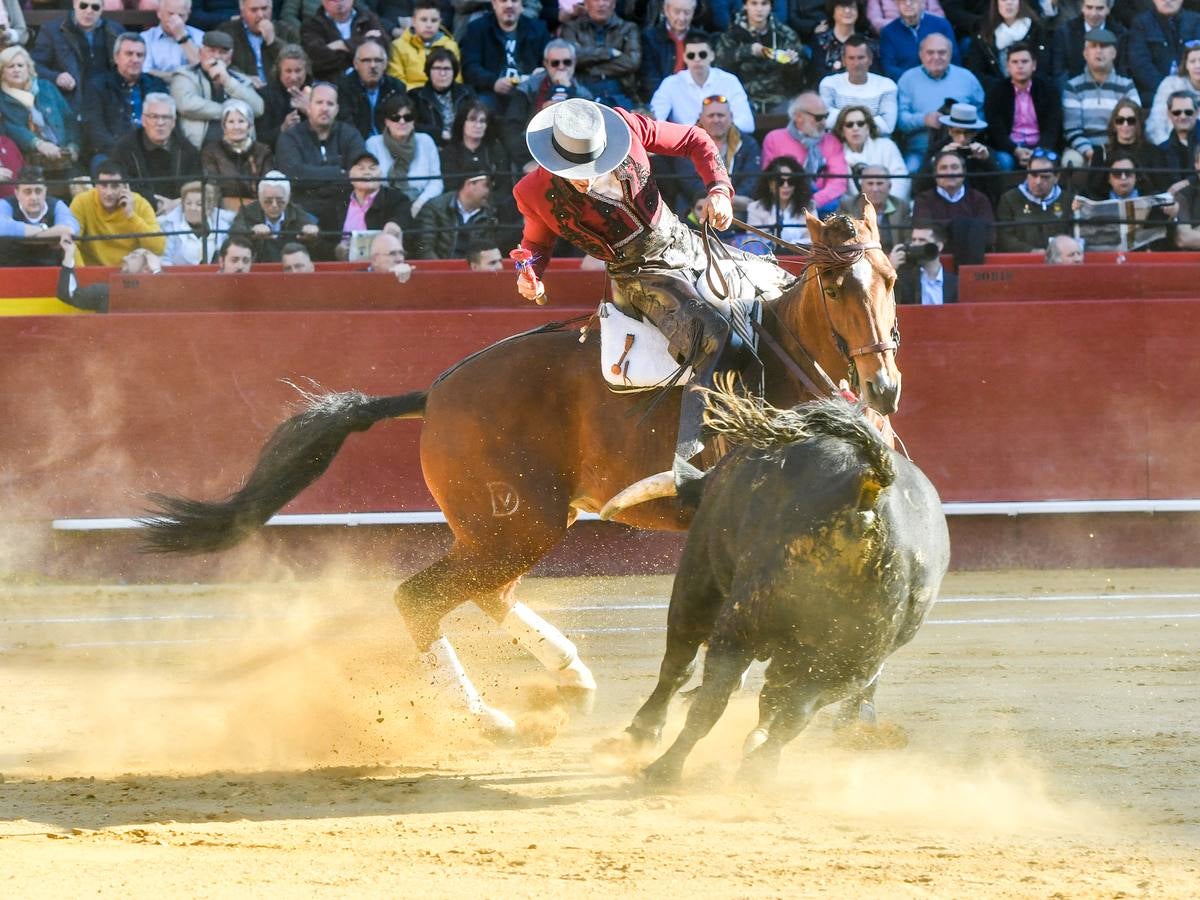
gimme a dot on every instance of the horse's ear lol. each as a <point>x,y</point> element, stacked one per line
<point>866,212</point>
<point>815,228</point>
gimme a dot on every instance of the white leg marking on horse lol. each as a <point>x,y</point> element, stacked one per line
<point>505,500</point>
<point>549,646</point>
<point>454,687</point>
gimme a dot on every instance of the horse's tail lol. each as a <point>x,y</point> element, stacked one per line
<point>747,422</point>
<point>297,454</point>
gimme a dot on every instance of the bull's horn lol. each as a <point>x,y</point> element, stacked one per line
<point>654,487</point>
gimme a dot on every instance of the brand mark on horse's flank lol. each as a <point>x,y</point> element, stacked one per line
<point>505,501</point>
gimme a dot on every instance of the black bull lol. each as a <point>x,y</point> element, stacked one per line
<point>815,546</point>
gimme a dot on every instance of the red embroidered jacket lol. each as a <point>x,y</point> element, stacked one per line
<point>553,208</point>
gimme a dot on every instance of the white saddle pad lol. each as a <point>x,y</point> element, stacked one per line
<point>634,355</point>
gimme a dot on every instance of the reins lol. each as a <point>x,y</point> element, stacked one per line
<point>818,257</point>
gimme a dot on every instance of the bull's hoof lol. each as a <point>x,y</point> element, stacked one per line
<point>758,769</point>
<point>663,772</point>
<point>854,713</point>
<point>577,699</point>
<point>754,740</point>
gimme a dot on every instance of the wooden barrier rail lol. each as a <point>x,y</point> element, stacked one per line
<point>1179,257</point>
<point>1092,281</point>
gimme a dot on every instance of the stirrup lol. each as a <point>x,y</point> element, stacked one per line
<point>653,487</point>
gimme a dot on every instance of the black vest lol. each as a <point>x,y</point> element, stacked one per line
<point>27,251</point>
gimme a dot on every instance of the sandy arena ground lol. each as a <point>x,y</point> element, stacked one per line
<point>271,740</point>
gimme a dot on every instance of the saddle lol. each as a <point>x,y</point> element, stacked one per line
<point>634,355</point>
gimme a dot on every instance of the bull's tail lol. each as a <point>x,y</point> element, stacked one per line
<point>747,422</point>
<point>296,454</point>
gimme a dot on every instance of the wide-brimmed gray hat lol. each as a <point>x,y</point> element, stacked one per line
<point>963,115</point>
<point>578,138</point>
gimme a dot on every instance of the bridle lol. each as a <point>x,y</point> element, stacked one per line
<point>819,258</point>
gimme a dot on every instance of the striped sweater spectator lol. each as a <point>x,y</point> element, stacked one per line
<point>1087,105</point>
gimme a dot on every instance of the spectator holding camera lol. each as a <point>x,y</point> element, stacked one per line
<point>920,277</point>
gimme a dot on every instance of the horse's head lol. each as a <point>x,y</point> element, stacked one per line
<point>856,280</point>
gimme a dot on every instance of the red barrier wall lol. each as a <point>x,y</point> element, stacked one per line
<point>1094,281</point>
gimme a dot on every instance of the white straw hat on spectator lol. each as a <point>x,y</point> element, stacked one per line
<point>963,115</point>
<point>578,139</point>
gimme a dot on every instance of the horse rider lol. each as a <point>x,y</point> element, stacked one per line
<point>593,187</point>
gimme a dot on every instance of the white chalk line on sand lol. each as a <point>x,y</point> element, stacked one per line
<point>593,607</point>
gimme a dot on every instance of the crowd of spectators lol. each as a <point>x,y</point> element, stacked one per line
<point>309,129</point>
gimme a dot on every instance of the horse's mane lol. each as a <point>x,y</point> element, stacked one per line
<point>764,427</point>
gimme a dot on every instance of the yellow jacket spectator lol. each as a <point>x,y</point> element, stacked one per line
<point>406,59</point>
<point>112,208</point>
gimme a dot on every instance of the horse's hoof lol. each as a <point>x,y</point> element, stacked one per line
<point>577,699</point>
<point>754,740</point>
<point>498,727</point>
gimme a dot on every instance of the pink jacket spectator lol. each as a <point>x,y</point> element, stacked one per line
<point>880,12</point>
<point>12,160</point>
<point>827,188</point>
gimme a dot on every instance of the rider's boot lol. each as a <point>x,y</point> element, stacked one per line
<point>453,689</point>
<point>553,650</point>
<point>683,478</point>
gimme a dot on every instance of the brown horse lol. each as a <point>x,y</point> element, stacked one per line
<point>523,436</point>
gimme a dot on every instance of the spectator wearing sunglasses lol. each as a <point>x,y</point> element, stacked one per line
<point>362,92</point>
<point>780,199</point>
<point>1187,79</point>
<point>1179,147</point>
<point>274,220</point>
<point>73,50</point>
<point>863,145</point>
<point>554,84</point>
<point>1089,98</point>
<point>1157,38</point>
<point>609,53</point>
<point>818,152</point>
<point>1035,210</point>
<point>766,55</point>
<point>1023,112</point>
<point>680,97</point>
<point>1126,138</point>
<point>857,84</point>
<point>408,160</point>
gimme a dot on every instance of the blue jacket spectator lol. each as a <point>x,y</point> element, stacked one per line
<point>1156,41</point>
<point>900,40</point>
<point>73,50</point>
<point>115,99</point>
<point>483,48</point>
<point>208,14</point>
<point>925,89</point>
<point>662,44</point>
